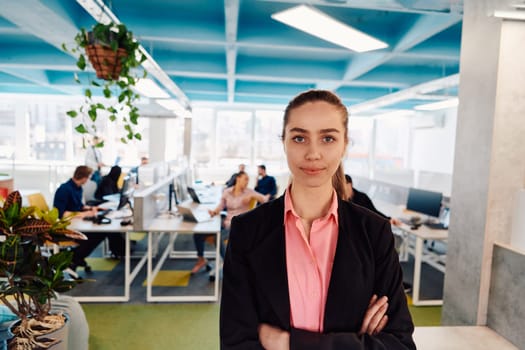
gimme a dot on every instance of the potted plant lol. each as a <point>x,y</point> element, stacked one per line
<point>30,279</point>
<point>115,55</point>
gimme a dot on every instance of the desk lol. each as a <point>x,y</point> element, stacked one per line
<point>420,255</point>
<point>421,234</point>
<point>174,225</point>
<point>86,227</point>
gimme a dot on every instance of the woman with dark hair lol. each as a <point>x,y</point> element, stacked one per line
<point>311,270</point>
<point>108,184</point>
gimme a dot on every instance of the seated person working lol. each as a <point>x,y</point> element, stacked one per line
<point>266,183</point>
<point>236,200</point>
<point>68,201</point>
<point>108,184</point>
<point>231,180</point>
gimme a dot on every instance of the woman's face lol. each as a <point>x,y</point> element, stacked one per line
<point>314,143</point>
<point>242,181</point>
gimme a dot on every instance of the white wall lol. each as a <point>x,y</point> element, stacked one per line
<point>433,148</point>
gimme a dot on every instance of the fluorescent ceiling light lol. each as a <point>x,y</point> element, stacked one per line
<point>434,106</point>
<point>319,24</point>
<point>175,107</point>
<point>149,88</point>
<point>518,15</point>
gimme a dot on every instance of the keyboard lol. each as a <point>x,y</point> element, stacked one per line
<point>435,225</point>
<point>95,202</point>
<point>103,212</point>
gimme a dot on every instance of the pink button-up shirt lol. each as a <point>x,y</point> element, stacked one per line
<point>309,264</point>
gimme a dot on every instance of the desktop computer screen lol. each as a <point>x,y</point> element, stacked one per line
<point>126,192</point>
<point>425,202</point>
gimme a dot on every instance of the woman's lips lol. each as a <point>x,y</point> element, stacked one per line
<point>312,171</point>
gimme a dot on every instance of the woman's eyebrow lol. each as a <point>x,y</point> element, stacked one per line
<point>298,130</point>
<point>324,131</point>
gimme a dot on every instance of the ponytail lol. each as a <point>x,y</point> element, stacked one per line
<point>339,182</point>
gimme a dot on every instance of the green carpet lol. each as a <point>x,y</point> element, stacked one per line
<point>175,326</point>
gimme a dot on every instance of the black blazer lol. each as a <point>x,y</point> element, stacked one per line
<point>255,285</point>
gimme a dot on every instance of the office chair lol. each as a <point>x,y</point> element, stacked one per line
<point>38,200</point>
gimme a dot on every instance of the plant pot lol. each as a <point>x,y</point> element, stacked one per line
<point>59,334</point>
<point>106,62</point>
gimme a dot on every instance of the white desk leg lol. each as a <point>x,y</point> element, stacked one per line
<point>127,263</point>
<point>149,277</point>
<point>417,271</point>
<point>217,265</point>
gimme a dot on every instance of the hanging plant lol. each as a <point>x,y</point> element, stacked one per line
<point>114,54</point>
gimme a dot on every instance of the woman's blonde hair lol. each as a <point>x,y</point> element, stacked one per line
<point>338,179</point>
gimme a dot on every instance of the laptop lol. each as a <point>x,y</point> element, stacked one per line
<point>193,215</point>
<point>197,199</point>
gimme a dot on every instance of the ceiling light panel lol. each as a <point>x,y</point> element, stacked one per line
<point>319,24</point>
<point>435,106</point>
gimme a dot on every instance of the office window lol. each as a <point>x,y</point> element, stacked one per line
<point>202,136</point>
<point>7,132</point>
<point>234,137</point>
<point>392,143</point>
<point>47,138</point>
<point>268,144</point>
<point>360,134</point>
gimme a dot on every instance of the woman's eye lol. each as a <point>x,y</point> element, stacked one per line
<point>298,139</point>
<point>328,139</point>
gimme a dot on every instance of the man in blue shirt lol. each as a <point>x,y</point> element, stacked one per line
<point>266,183</point>
<point>68,201</point>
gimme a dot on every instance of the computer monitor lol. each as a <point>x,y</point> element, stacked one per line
<point>182,193</point>
<point>425,202</point>
<point>126,193</point>
<point>172,197</point>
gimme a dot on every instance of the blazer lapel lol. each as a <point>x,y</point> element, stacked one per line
<point>343,292</point>
<point>269,264</point>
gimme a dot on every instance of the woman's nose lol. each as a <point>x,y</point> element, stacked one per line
<point>313,152</point>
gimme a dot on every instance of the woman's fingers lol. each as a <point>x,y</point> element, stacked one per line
<point>375,321</point>
<point>374,315</point>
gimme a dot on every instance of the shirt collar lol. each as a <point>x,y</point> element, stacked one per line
<point>289,208</point>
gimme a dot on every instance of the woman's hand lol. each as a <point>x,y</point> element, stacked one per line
<point>273,338</point>
<point>213,212</point>
<point>395,222</point>
<point>375,317</point>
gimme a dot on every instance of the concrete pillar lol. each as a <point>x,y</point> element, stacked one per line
<point>489,162</point>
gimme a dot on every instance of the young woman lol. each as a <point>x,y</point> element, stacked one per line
<point>236,199</point>
<point>304,271</point>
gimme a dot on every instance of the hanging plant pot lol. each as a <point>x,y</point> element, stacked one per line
<point>116,57</point>
<point>106,62</point>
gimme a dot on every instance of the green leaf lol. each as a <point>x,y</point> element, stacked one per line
<point>107,92</point>
<point>133,116</point>
<point>81,62</point>
<point>81,129</point>
<point>87,93</point>
<point>92,113</point>
<point>95,83</point>
<point>75,76</point>
<point>138,136</point>
<point>72,113</point>
<point>112,117</point>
